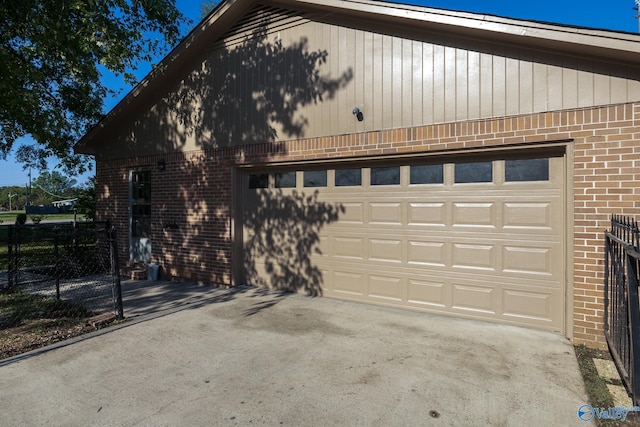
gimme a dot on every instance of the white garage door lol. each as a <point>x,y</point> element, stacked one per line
<point>480,237</point>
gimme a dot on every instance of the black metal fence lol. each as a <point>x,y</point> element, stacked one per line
<point>621,304</point>
<point>71,268</point>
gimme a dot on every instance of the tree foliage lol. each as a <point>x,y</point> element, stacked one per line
<point>87,199</point>
<point>206,7</point>
<point>50,187</point>
<point>52,55</point>
<point>13,193</point>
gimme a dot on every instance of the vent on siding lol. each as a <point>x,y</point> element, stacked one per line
<point>263,18</point>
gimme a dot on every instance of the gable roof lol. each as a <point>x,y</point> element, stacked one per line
<point>611,46</point>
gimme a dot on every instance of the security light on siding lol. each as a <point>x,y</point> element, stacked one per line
<point>162,165</point>
<point>358,113</point>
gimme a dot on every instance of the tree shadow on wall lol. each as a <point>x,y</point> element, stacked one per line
<point>236,95</point>
<point>190,233</point>
<point>282,233</point>
<point>248,93</point>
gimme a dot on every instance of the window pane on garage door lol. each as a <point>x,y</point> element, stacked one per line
<point>348,177</point>
<point>285,180</point>
<point>473,172</point>
<point>315,178</point>
<point>426,174</point>
<point>385,176</point>
<point>526,170</point>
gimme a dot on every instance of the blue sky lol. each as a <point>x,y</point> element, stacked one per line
<point>615,15</point>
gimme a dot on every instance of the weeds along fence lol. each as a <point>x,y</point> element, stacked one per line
<point>73,265</point>
<point>621,303</point>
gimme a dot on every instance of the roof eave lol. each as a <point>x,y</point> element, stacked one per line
<point>615,44</point>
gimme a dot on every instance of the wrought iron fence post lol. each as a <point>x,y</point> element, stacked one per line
<point>56,257</point>
<point>618,327</point>
<point>634,321</point>
<point>606,282</point>
<point>76,233</point>
<point>16,255</point>
<point>11,255</point>
<point>115,271</point>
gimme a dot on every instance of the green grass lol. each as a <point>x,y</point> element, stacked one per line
<point>9,218</point>
<point>37,247</point>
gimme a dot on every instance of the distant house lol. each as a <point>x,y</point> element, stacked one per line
<point>442,161</point>
<point>68,203</point>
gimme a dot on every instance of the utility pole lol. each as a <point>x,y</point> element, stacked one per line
<point>10,196</point>
<point>26,203</point>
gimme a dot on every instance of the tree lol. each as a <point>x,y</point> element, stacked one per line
<point>87,199</point>
<point>12,197</point>
<point>51,186</point>
<point>52,56</point>
<point>206,7</point>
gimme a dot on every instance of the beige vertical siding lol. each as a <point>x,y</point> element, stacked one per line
<point>400,82</point>
<point>396,81</point>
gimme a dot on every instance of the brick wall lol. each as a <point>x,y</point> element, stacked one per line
<point>194,192</point>
<point>190,200</point>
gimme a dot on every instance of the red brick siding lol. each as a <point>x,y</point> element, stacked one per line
<point>195,189</point>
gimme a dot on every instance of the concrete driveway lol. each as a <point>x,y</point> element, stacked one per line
<point>250,357</point>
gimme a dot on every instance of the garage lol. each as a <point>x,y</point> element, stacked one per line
<point>478,236</point>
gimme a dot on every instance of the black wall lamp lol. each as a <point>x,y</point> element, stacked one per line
<point>162,165</point>
<point>358,113</point>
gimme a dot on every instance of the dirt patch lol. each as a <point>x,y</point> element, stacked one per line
<point>596,386</point>
<point>39,333</point>
<point>28,322</point>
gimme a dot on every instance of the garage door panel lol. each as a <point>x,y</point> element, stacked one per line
<point>387,288</point>
<point>385,213</point>
<point>350,283</point>
<point>528,304</point>
<point>474,256</point>
<point>427,253</point>
<point>353,213</point>
<point>348,247</point>
<point>475,214</point>
<point>531,215</point>
<point>427,214</point>
<point>477,298</point>
<point>385,250</point>
<point>528,260</point>
<point>531,257</point>
<point>254,275</point>
<point>428,293</point>
<point>497,297</point>
<point>479,250</point>
<point>323,249</point>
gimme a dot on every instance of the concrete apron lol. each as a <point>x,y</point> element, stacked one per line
<point>238,357</point>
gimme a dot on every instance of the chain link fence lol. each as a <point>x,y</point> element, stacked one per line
<point>58,270</point>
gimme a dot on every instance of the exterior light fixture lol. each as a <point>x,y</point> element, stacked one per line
<point>358,113</point>
<point>162,165</point>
